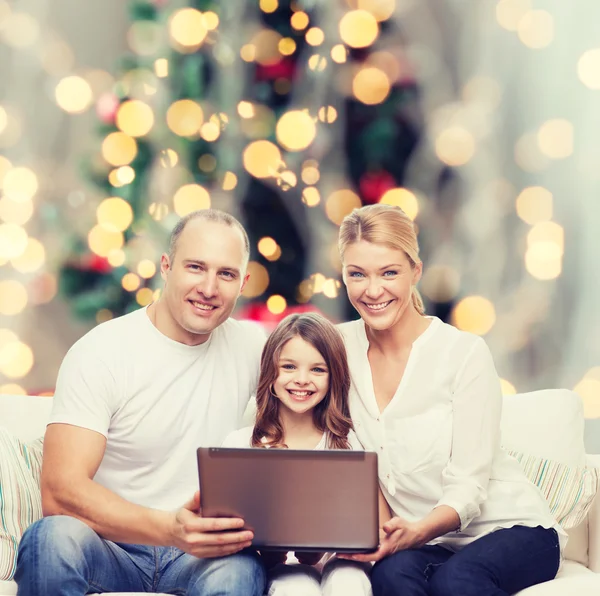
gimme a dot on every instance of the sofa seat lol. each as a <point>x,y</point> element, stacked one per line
<point>573,578</point>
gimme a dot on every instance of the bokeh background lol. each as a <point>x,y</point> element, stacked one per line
<point>480,119</point>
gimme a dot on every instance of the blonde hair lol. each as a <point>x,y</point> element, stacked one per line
<point>387,225</point>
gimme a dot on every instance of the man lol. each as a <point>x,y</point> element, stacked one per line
<point>134,399</point>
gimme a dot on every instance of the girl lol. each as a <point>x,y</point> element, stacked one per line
<point>427,397</point>
<point>302,403</point>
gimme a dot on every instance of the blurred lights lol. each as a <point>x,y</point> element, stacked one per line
<point>211,20</point>
<point>16,213</point>
<point>340,203</point>
<point>185,117</point>
<point>339,53</point>
<point>268,6</point>
<point>267,247</point>
<point>130,282</point>
<point>455,146</point>
<point>510,12</point>
<point>403,198</point>
<point>286,46</point>
<point>32,258</point>
<point>190,197</point>
<point>114,214</point>
<point>135,118</point>
<point>73,94</point>
<point>161,68</point>
<point>119,149</point>
<point>315,36</point>
<point>266,44</point>
<point>116,257</point>
<point>258,282</point>
<point>536,29</point>
<point>19,30</point>
<point>311,196</point>
<point>358,28</point>
<point>474,314</point>
<point>317,63</point>
<point>310,174</point>
<point>20,184</point>
<point>207,162</point>
<point>246,109</point>
<point>16,360</point>
<point>299,20</point>
<point>230,181</point>
<point>545,248</point>
<point>43,288</point>
<point>588,68</point>
<point>295,130</point>
<point>382,10</point>
<point>13,241</point>
<point>13,297</point>
<point>327,114</point>
<point>534,204</point>
<point>371,85</point>
<point>555,138</point>
<point>276,304</point>
<point>168,158</point>
<point>187,28</point>
<point>102,241</point>
<point>210,131</point>
<point>144,296</point>
<point>262,159</point>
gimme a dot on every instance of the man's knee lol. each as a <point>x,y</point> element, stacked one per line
<point>241,574</point>
<point>55,534</point>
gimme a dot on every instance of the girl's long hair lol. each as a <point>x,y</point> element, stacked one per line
<point>332,414</point>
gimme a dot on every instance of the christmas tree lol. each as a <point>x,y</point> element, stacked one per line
<point>287,114</point>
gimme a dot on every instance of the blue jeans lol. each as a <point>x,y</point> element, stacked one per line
<point>497,564</point>
<point>62,556</point>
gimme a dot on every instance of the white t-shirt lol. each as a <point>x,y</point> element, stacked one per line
<point>242,439</point>
<point>156,401</point>
<point>438,439</point>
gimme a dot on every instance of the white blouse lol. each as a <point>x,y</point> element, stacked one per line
<point>438,440</point>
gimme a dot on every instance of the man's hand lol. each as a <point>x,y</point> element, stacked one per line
<point>207,537</point>
<point>397,534</point>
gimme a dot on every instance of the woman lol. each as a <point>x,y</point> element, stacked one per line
<point>427,398</point>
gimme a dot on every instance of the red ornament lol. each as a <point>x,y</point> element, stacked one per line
<point>284,69</point>
<point>95,263</point>
<point>373,185</point>
<point>106,108</point>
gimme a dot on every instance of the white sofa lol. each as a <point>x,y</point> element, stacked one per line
<point>544,423</point>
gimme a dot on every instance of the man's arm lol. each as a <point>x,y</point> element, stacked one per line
<point>72,456</point>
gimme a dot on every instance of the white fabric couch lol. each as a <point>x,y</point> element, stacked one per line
<point>544,423</point>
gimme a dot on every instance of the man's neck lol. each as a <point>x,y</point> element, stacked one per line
<point>160,316</point>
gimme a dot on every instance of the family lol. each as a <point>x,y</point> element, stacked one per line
<point>138,394</point>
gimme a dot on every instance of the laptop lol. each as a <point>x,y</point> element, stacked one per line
<point>293,499</point>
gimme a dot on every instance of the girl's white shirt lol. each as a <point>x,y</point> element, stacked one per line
<point>438,440</point>
<point>242,439</point>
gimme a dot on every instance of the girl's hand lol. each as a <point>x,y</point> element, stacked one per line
<point>396,534</point>
<point>309,558</point>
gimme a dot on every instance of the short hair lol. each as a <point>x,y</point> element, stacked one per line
<point>213,215</point>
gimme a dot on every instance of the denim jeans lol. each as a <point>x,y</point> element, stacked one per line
<point>497,564</point>
<point>62,556</point>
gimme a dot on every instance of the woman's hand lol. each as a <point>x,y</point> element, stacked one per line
<point>397,534</point>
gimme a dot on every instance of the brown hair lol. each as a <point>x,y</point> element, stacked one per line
<point>387,225</point>
<point>332,414</point>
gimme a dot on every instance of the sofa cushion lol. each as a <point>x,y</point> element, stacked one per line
<point>569,490</point>
<point>545,423</point>
<point>20,497</point>
<point>25,416</point>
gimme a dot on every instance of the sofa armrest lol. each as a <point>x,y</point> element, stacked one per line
<point>594,523</point>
